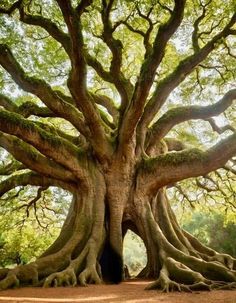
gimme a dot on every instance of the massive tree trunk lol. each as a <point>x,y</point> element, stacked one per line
<point>89,247</point>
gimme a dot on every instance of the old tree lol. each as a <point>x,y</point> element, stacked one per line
<point>101,87</point>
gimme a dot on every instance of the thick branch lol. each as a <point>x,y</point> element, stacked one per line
<point>148,71</point>
<point>176,166</point>
<point>54,131</point>
<point>30,178</point>
<point>97,66</point>
<point>12,167</point>
<point>33,160</point>
<point>26,109</point>
<point>77,81</point>
<point>185,67</point>
<point>67,155</point>
<point>180,114</point>
<point>29,108</point>
<point>8,104</point>
<point>41,89</point>
<point>108,104</point>
<point>115,45</point>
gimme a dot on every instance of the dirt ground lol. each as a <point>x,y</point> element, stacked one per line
<point>129,292</point>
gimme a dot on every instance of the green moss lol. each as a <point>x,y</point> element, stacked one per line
<point>175,158</point>
<point>51,138</point>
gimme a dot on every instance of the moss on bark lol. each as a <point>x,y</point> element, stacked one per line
<point>84,251</point>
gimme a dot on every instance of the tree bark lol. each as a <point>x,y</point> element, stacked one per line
<point>177,259</point>
<point>89,247</point>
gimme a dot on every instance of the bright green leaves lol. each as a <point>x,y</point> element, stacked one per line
<point>204,224</point>
<point>28,228</point>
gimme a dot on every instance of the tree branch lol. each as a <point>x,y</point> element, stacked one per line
<point>195,34</point>
<point>82,6</point>
<point>29,108</point>
<point>33,203</point>
<point>222,129</point>
<point>8,104</point>
<point>30,178</point>
<point>148,71</point>
<point>97,66</point>
<point>13,166</point>
<point>12,8</point>
<point>108,104</point>
<point>26,109</point>
<point>67,155</point>
<point>176,166</point>
<point>123,86</point>
<point>49,26</point>
<point>41,89</point>
<point>180,114</point>
<point>143,34</point>
<point>185,67</point>
<point>77,82</point>
<point>33,160</point>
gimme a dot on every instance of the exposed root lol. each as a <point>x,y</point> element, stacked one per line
<point>166,284</point>
<point>10,281</point>
<point>225,259</point>
<point>89,275</point>
<point>85,265</point>
<point>23,274</point>
<point>227,286</point>
<point>3,272</point>
<point>66,277</point>
<point>181,278</point>
<point>175,276</point>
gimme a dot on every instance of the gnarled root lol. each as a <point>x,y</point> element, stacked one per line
<point>90,275</point>
<point>181,262</point>
<point>66,277</point>
<point>175,276</point>
<point>85,266</point>
<point>165,283</point>
<point>81,270</point>
<point>21,274</point>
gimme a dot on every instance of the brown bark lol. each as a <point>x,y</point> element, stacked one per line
<point>178,260</point>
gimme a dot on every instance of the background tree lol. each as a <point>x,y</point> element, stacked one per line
<point>101,85</point>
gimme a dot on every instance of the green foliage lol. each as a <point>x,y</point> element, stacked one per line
<point>211,229</point>
<point>27,228</point>
<point>23,246</point>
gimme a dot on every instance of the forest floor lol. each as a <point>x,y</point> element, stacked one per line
<point>130,292</point>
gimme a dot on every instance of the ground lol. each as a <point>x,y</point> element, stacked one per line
<point>129,292</point>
